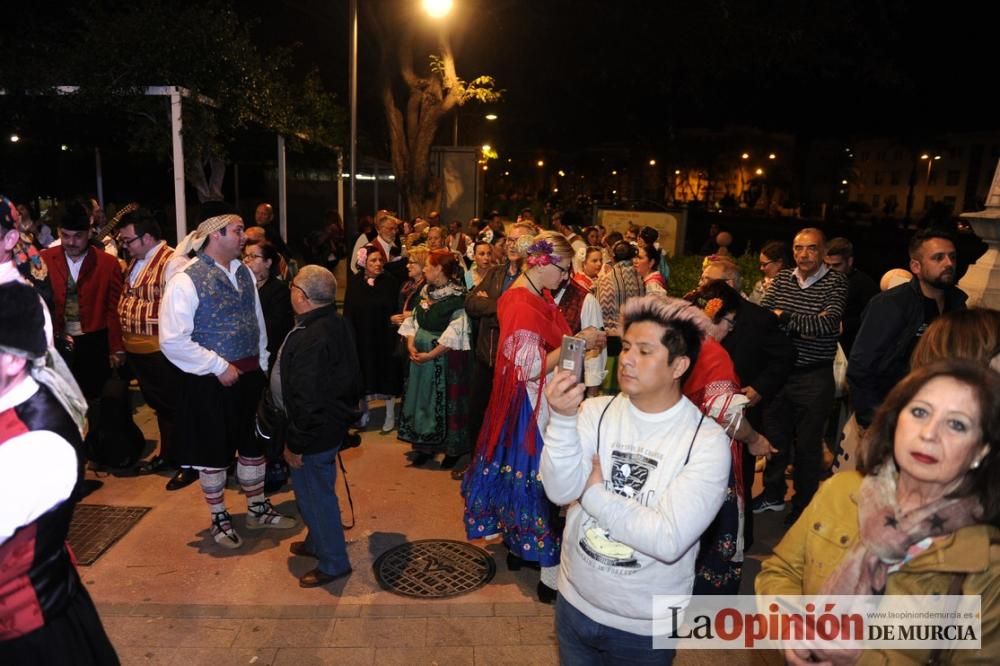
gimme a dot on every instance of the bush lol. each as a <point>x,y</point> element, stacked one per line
<point>685,272</point>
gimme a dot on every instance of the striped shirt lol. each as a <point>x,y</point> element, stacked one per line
<point>810,316</point>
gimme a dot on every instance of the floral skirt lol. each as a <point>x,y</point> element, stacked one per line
<point>504,495</point>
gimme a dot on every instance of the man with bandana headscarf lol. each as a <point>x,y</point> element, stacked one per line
<point>212,328</point>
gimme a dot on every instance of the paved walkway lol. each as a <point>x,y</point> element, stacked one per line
<point>169,595</point>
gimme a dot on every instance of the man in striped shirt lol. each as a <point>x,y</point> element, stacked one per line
<point>809,302</point>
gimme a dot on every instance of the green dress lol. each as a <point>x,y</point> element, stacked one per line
<point>434,416</point>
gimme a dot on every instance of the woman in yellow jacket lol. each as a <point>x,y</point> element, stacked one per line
<point>919,517</point>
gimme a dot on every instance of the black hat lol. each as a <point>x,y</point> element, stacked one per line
<point>22,324</point>
<point>76,217</point>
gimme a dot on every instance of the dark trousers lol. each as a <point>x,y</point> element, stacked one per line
<point>480,386</point>
<point>90,362</point>
<point>795,418</point>
<point>160,382</point>
<point>314,484</point>
<point>583,642</point>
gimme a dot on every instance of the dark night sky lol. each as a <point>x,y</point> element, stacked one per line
<point>585,72</point>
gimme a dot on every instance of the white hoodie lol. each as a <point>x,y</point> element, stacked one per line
<point>637,535</point>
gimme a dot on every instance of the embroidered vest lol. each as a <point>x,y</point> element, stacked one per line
<point>37,579</point>
<point>571,305</point>
<point>139,306</point>
<point>226,319</point>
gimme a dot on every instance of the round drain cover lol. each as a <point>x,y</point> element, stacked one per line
<point>434,568</point>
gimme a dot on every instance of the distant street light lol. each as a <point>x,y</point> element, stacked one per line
<point>677,172</point>
<point>562,174</point>
<point>771,156</point>
<point>486,148</point>
<point>759,171</point>
<point>843,182</point>
<point>652,162</point>
<point>745,156</point>
<point>614,172</point>
<point>491,116</point>
<point>930,163</point>
<point>14,138</point>
<point>437,8</point>
<point>540,163</point>
<point>64,147</point>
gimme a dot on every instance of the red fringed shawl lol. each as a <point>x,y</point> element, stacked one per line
<point>712,382</point>
<point>530,328</point>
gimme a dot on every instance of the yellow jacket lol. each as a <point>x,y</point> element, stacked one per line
<point>828,528</point>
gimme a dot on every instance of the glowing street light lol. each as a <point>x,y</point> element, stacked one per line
<point>437,8</point>
<point>652,162</point>
<point>491,116</point>
<point>745,156</point>
<point>64,147</point>
<point>677,172</point>
<point>843,182</point>
<point>487,148</point>
<point>562,173</point>
<point>614,172</point>
<point>759,171</point>
<point>772,156</point>
<point>14,138</point>
<point>540,163</point>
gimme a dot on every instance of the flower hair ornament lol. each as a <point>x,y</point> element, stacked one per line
<point>362,257</point>
<point>712,308</point>
<point>540,254</point>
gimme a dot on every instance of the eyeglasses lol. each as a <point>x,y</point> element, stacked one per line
<point>247,258</point>
<point>127,241</point>
<point>295,286</point>
<point>765,264</point>
<point>562,269</point>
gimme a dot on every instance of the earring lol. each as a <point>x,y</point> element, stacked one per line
<point>975,464</point>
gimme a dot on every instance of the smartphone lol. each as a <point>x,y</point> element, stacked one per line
<point>571,356</point>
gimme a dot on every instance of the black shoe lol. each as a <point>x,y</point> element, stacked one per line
<point>420,458</point>
<point>546,594</point>
<point>448,462</point>
<point>184,477</point>
<point>299,549</point>
<point>514,563</point>
<point>154,465</point>
<point>458,471</point>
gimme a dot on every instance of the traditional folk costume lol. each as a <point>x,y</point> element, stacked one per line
<point>502,489</point>
<point>139,312</point>
<point>435,408</point>
<point>581,310</point>
<point>211,318</point>
<point>46,615</point>
<point>714,387</point>
<point>654,283</point>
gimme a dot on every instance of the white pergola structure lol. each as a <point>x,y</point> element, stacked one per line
<point>176,95</point>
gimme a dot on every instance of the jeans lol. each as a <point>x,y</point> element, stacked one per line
<point>317,501</point>
<point>583,642</point>
<point>795,418</point>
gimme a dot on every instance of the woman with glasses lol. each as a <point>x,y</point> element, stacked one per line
<point>369,304</point>
<point>502,489</point>
<point>773,257</point>
<point>263,260</point>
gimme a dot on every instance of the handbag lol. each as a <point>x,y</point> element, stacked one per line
<point>270,425</point>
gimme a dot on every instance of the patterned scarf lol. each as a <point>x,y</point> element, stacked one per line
<point>886,533</point>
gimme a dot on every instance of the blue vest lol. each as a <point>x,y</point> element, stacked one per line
<point>226,319</point>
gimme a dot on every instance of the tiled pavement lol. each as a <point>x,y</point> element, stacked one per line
<point>168,595</point>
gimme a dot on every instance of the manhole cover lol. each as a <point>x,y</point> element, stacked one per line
<point>96,527</point>
<point>434,568</point>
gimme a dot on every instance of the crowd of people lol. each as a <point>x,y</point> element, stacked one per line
<point>629,479</point>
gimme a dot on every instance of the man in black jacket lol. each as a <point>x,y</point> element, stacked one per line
<point>895,319</point>
<point>316,383</point>
<point>763,356</point>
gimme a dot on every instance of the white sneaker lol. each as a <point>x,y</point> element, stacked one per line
<point>262,515</point>
<point>223,532</point>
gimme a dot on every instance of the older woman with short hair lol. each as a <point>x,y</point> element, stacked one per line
<point>920,516</point>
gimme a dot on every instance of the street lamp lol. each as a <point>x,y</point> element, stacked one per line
<point>491,116</point>
<point>437,9</point>
<point>930,163</point>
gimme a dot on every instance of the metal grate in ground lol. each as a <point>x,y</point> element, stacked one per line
<point>96,527</point>
<point>434,568</point>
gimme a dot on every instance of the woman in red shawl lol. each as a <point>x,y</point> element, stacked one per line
<point>502,490</point>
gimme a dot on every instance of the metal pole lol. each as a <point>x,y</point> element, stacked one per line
<point>352,219</point>
<point>340,184</point>
<point>454,131</point>
<point>282,190</point>
<point>100,176</point>
<point>180,203</point>
<point>375,182</point>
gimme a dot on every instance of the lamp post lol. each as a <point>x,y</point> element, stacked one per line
<point>437,9</point>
